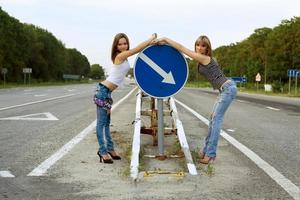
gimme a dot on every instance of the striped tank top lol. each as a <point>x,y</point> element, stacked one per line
<point>213,73</point>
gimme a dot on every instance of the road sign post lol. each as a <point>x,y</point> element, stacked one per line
<point>4,72</point>
<point>297,74</point>
<point>160,128</point>
<point>27,71</point>
<point>160,71</point>
<point>293,73</point>
<point>257,79</point>
<point>289,85</point>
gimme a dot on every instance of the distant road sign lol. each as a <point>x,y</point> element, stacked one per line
<point>71,76</point>
<point>258,77</point>
<point>4,70</point>
<point>239,79</point>
<point>160,71</point>
<point>293,73</point>
<point>27,70</point>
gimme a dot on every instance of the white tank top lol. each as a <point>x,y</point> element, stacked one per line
<point>118,72</point>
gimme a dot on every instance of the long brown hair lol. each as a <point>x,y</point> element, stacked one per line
<point>204,40</point>
<point>114,47</point>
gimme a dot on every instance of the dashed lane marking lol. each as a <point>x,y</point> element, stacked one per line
<point>272,108</point>
<point>6,174</point>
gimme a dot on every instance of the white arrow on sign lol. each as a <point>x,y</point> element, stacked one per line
<point>168,77</point>
<point>46,116</point>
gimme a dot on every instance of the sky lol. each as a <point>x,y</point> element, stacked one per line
<point>90,25</point>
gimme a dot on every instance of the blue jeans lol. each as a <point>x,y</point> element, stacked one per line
<point>227,94</point>
<point>103,121</point>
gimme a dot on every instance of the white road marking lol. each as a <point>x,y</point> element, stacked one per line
<point>6,174</point>
<point>281,180</point>
<point>271,108</point>
<point>34,102</point>
<point>47,117</point>
<point>40,95</point>
<point>241,101</point>
<point>44,166</point>
<point>230,130</point>
<point>168,77</point>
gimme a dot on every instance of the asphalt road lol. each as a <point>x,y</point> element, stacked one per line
<point>269,126</point>
<point>25,142</point>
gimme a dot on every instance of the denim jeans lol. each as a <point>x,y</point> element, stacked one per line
<point>103,121</point>
<point>226,96</point>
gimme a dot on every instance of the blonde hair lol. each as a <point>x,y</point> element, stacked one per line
<point>204,40</point>
<point>114,47</point>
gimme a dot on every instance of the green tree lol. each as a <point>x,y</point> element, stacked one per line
<point>258,52</point>
<point>26,45</point>
<point>77,63</point>
<point>271,52</point>
<point>96,72</point>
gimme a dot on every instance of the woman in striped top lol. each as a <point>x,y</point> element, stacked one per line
<point>210,69</point>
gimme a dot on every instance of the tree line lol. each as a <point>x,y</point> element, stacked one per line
<point>270,52</point>
<point>27,46</point>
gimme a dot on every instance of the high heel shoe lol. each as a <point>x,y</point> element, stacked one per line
<point>114,156</point>
<point>207,160</point>
<point>108,161</point>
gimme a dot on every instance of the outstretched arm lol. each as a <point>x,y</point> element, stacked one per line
<point>203,59</point>
<point>125,54</point>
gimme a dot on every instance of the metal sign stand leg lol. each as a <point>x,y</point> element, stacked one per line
<point>4,80</point>
<point>296,83</point>
<point>289,84</point>
<point>24,78</point>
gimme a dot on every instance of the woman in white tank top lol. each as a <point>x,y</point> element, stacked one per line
<point>119,53</point>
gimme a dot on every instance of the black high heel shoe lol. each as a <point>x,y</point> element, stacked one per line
<point>108,161</point>
<point>115,157</point>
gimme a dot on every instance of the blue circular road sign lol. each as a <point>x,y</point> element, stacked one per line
<point>160,71</point>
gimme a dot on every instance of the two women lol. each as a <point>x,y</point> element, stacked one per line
<point>207,66</point>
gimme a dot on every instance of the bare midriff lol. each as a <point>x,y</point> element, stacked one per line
<point>109,85</point>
